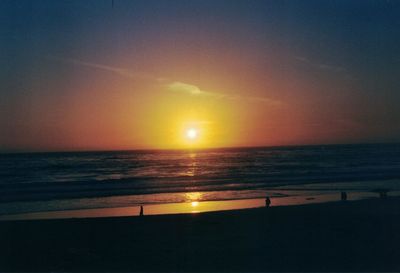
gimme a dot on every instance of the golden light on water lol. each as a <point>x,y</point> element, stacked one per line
<point>193,198</point>
<point>168,208</point>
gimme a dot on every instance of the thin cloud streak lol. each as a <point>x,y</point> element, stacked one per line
<point>321,66</point>
<point>194,90</point>
<point>120,71</point>
<point>175,86</point>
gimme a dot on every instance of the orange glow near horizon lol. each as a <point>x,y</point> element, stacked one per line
<point>166,114</point>
<point>237,78</point>
<point>114,112</point>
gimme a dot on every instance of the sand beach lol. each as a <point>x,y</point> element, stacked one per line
<point>337,236</point>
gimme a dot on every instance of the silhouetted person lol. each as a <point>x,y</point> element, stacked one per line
<point>141,211</point>
<point>267,202</point>
<point>343,196</point>
<point>383,194</point>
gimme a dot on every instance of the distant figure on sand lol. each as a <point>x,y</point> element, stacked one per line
<point>383,194</point>
<point>141,211</point>
<point>343,196</point>
<point>267,202</point>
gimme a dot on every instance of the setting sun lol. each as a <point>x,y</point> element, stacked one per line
<point>192,133</point>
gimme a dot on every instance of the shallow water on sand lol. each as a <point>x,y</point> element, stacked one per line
<point>192,206</point>
<point>192,202</point>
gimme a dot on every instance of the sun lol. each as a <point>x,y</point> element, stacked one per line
<point>192,133</point>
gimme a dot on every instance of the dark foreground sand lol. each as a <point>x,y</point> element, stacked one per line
<point>342,236</point>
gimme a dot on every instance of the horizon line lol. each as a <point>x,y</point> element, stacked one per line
<point>195,149</point>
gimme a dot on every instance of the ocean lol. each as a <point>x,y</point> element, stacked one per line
<point>81,180</point>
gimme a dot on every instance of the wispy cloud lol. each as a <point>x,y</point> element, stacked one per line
<point>185,88</point>
<point>172,86</point>
<point>120,71</point>
<point>321,66</point>
<point>194,90</point>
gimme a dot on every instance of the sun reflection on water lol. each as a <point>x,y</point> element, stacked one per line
<point>190,167</point>
<point>193,197</point>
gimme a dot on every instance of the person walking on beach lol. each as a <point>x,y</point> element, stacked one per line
<point>343,196</point>
<point>141,211</point>
<point>383,194</point>
<point>267,202</point>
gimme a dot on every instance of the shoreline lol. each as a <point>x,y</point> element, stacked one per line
<point>195,206</point>
<point>283,194</point>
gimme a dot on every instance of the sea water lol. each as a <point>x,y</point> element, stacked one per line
<point>81,180</point>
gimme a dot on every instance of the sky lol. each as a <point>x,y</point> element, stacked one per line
<point>105,75</point>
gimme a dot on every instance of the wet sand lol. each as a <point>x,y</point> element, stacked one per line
<point>339,236</point>
<point>75,208</point>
